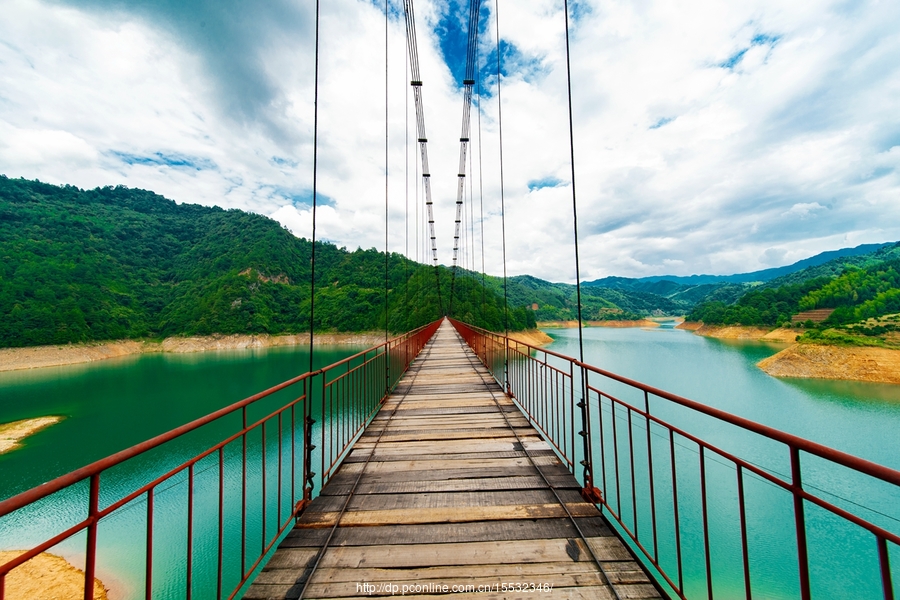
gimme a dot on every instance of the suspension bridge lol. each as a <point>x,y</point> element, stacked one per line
<point>451,460</point>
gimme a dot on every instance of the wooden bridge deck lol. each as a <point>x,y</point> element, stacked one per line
<point>445,489</point>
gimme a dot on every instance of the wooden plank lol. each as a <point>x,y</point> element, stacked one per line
<point>347,476</point>
<point>403,585</point>
<point>363,455</point>
<point>457,446</point>
<point>473,553</point>
<point>424,439</point>
<point>457,500</point>
<point>368,518</point>
<point>447,492</point>
<point>571,593</point>
<point>524,529</point>
<point>507,572</point>
<point>609,548</point>
<point>494,443</point>
<point>431,465</point>
<point>453,485</point>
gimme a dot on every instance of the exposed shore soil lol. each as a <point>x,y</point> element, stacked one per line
<point>573,324</point>
<point>47,576</point>
<point>853,363</point>
<point>812,361</point>
<point>11,434</point>
<point>12,359</point>
<point>739,332</point>
<point>535,337</point>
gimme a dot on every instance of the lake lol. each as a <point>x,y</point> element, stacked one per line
<point>111,405</point>
<point>114,404</point>
<point>862,419</point>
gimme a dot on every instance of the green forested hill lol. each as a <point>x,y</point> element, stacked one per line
<point>113,263</point>
<point>858,288</point>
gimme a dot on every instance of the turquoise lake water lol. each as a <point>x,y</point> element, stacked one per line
<point>114,404</point>
<point>862,419</point>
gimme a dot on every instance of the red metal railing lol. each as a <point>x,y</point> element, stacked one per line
<point>638,459</point>
<point>335,404</point>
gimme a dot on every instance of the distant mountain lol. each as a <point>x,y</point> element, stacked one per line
<point>837,266</point>
<point>855,295</point>
<point>646,284</point>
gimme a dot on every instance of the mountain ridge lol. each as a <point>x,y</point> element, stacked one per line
<point>763,275</point>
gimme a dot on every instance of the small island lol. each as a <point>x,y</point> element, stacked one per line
<point>47,576</point>
<point>12,434</point>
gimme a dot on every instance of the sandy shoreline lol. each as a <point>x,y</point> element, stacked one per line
<point>739,332</point>
<point>12,359</point>
<point>812,361</point>
<point>47,576</point>
<point>534,337</point>
<point>853,363</point>
<point>11,434</point>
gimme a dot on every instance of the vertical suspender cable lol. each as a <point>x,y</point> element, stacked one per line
<point>468,83</point>
<point>406,181</point>
<point>590,492</point>
<point>308,475</point>
<point>387,255</point>
<point>574,203</point>
<point>480,189</point>
<point>418,225</point>
<point>502,205</point>
<point>416,84</point>
<point>471,212</point>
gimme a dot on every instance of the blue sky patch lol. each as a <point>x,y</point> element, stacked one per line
<point>452,31</point>
<point>279,161</point>
<point>577,11</point>
<point>175,160</point>
<point>545,182</point>
<point>662,121</point>
<point>760,39</point>
<point>302,200</point>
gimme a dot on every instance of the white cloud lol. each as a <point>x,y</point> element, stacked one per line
<point>804,209</point>
<point>710,137</point>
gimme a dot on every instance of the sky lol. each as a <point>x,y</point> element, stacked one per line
<point>709,136</point>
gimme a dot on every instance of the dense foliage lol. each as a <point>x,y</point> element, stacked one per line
<point>859,294</point>
<point>856,293</point>
<point>114,263</point>
<point>769,306</point>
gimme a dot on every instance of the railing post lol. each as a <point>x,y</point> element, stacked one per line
<point>800,524</point>
<point>885,565</point>
<point>148,583</point>
<point>90,560</point>
<point>308,447</point>
<point>589,492</point>
<point>387,371</point>
<point>506,364</point>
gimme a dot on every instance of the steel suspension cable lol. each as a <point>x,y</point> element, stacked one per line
<point>308,475</point>
<point>387,254</point>
<point>471,213</point>
<point>416,83</point>
<point>502,203</point>
<point>590,491</point>
<point>406,182</point>
<point>480,190</point>
<point>468,83</point>
<point>574,203</point>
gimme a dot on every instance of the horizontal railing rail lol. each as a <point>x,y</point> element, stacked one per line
<point>636,457</point>
<point>271,471</point>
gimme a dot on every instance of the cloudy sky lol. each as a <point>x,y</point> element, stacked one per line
<point>710,136</point>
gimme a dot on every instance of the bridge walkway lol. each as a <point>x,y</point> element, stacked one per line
<point>450,486</point>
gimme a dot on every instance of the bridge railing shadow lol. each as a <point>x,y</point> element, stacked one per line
<point>713,504</point>
<point>205,526</point>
